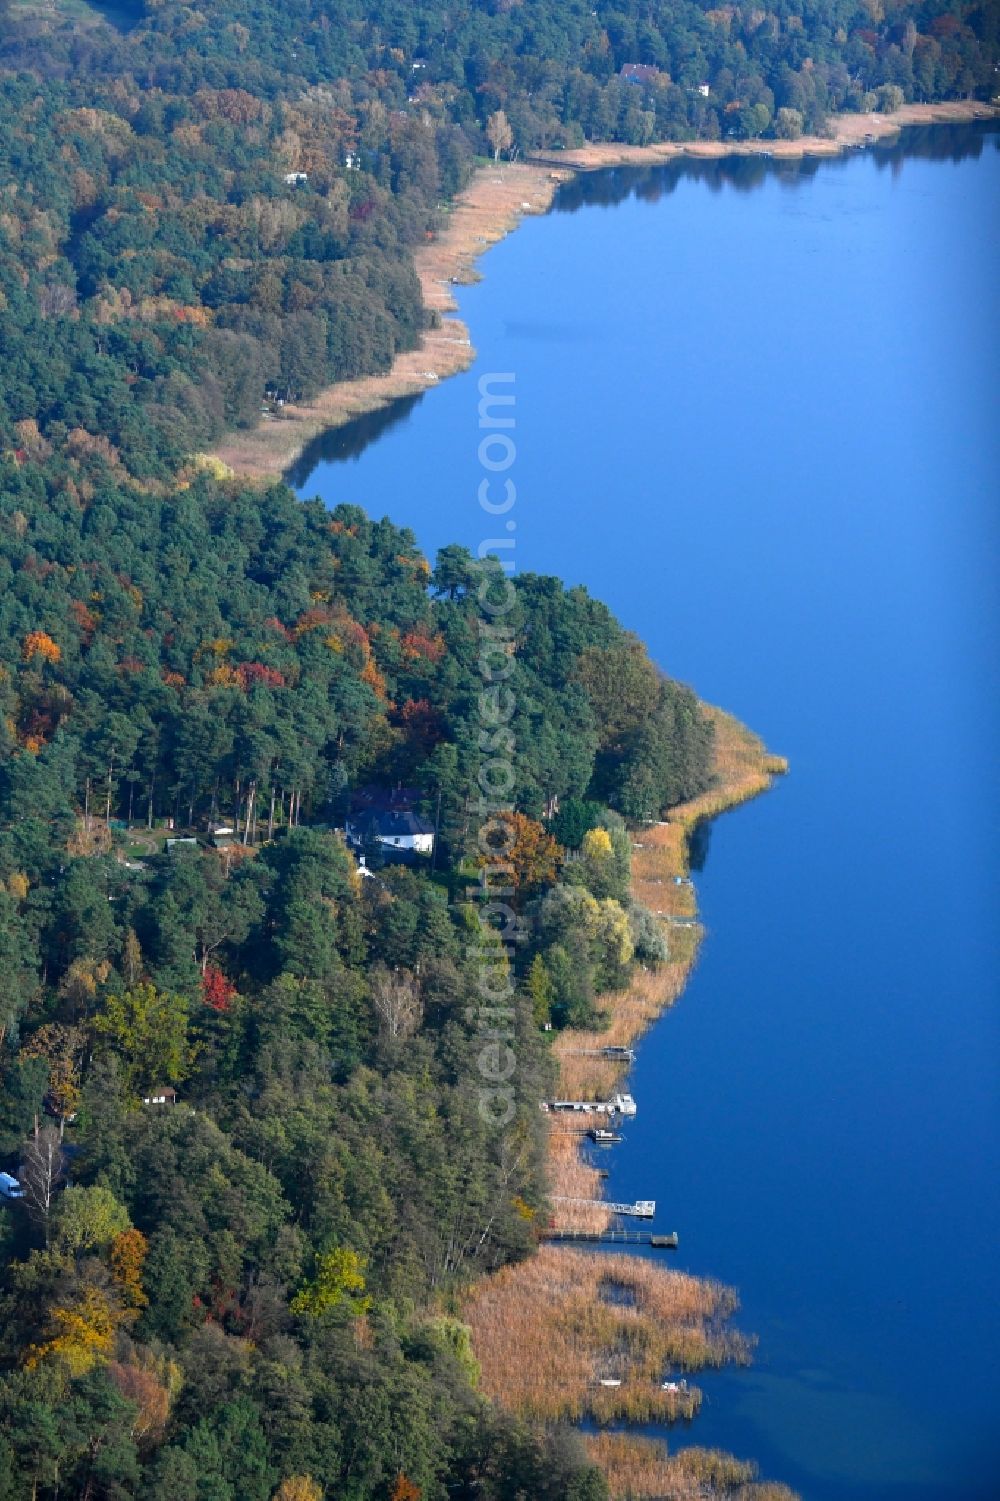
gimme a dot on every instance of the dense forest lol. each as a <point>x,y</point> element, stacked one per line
<point>247,1175</point>
<point>199,206</point>
<point>249,1286</point>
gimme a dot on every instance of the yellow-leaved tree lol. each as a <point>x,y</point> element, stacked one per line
<point>338,1286</point>
<point>78,1334</point>
<point>298,1488</point>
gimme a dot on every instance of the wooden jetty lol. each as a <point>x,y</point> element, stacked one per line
<point>614,1054</point>
<point>616,1238</point>
<point>619,1104</point>
<point>642,1209</point>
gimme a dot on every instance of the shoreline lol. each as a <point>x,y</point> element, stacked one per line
<point>556,1304</point>
<point>660,851</point>
<point>846,133</point>
<point>491,205</point>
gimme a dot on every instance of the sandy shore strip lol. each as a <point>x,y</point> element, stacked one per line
<point>845,133</point>
<point>493,203</point>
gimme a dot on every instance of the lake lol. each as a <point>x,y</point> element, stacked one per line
<point>757,414</point>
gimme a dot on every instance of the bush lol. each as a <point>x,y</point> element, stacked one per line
<point>788,124</point>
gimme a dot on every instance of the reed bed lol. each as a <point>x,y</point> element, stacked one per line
<point>840,132</point>
<point>743,768</point>
<point>630,1012</point>
<point>492,204</point>
<point>571,1177</point>
<point>549,1330</point>
<point>642,1469</point>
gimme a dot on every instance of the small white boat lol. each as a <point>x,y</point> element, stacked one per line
<point>674,1386</point>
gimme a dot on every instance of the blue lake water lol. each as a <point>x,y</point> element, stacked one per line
<point>757,412</point>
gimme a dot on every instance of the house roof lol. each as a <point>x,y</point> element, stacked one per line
<point>639,72</point>
<point>399,825</point>
<point>373,799</point>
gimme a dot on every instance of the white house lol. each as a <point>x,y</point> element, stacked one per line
<point>406,832</point>
<point>10,1188</point>
<point>295,177</point>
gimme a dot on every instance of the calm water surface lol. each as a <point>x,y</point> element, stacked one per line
<point>757,413</point>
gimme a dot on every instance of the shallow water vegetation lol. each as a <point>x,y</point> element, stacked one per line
<point>572,1176</point>
<point>742,769</point>
<point>549,1331</point>
<point>643,1469</point>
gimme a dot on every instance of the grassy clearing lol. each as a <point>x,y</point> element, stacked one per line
<point>642,1469</point>
<point>587,1316</point>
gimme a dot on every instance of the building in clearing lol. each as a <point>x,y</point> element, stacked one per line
<point>405,832</point>
<point>160,1094</point>
<point>387,818</point>
<point>639,73</point>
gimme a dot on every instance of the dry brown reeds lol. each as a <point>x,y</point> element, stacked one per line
<point>548,1331</point>
<point>841,132</point>
<point>743,768</point>
<point>494,201</point>
<point>570,1177</point>
<point>642,1469</point>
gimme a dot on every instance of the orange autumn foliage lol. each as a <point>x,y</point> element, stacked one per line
<point>140,1386</point>
<point>40,644</point>
<point>128,1257</point>
<point>417,644</point>
<point>373,678</point>
<point>85,619</point>
<point>532,858</point>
